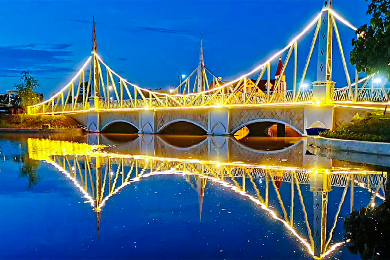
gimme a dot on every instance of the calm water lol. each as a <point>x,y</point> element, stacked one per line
<point>148,197</point>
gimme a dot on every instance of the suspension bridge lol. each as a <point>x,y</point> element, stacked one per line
<point>278,191</point>
<point>99,98</point>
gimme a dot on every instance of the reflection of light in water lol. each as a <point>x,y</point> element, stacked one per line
<point>242,133</point>
<point>272,213</point>
<point>67,174</point>
<point>42,150</point>
<point>254,200</point>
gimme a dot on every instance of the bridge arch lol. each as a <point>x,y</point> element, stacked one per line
<point>267,120</point>
<point>186,147</point>
<point>120,127</point>
<point>318,124</point>
<point>188,127</point>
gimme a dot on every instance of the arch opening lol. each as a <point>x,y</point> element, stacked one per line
<point>183,141</point>
<point>266,129</point>
<point>182,128</point>
<point>120,128</point>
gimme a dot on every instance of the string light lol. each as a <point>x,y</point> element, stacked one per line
<point>256,69</point>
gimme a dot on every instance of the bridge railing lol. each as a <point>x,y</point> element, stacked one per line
<point>96,80</point>
<point>363,95</point>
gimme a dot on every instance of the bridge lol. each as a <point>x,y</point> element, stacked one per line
<point>104,101</point>
<point>279,191</point>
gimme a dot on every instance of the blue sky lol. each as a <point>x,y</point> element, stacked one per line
<point>150,43</point>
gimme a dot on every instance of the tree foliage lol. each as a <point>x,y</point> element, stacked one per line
<point>371,51</point>
<point>26,89</point>
<point>369,231</point>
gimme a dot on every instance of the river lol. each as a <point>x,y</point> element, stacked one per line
<point>69,196</point>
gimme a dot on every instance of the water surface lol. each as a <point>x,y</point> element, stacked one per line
<point>176,197</point>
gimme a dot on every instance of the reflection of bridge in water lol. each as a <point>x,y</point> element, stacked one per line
<point>100,174</point>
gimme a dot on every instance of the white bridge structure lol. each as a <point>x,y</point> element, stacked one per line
<point>102,100</point>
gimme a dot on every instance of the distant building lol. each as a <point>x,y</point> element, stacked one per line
<point>262,85</point>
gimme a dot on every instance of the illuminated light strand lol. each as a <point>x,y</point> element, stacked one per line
<point>177,108</point>
<point>222,183</point>
<point>94,151</point>
<point>341,19</point>
<point>313,22</point>
<point>276,55</point>
<point>215,180</point>
<point>256,201</point>
<point>67,174</point>
<point>370,190</point>
<point>354,84</point>
<point>64,88</point>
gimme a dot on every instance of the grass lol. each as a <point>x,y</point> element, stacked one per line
<point>373,127</point>
<point>36,122</point>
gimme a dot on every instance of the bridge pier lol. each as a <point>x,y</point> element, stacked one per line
<point>147,122</point>
<point>318,116</point>
<point>218,121</point>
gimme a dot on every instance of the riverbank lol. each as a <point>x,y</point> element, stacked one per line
<point>349,145</point>
<point>372,127</point>
<point>30,123</point>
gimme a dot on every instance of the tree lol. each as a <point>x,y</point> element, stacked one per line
<point>369,231</point>
<point>29,170</point>
<point>371,51</point>
<point>26,89</point>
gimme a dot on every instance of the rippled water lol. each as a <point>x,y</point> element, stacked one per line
<point>175,197</point>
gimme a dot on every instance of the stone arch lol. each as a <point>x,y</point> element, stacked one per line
<point>218,129</point>
<point>291,147</point>
<point>147,128</point>
<point>266,120</point>
<point>197,144</point>
<point>129,126</point>
<point>92,127</point>
<point>318,124</point>
<point>166,125</point>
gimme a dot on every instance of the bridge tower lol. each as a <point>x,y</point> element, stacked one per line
<point>93,119</point>
<point>323,85</point>
<point>320,186</point>
<point>201,73</point>
<point>200,189</point>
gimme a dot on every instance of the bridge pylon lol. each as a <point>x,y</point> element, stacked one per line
<point>95,99</point>
<point>201,72</point>
<point>322,87</point>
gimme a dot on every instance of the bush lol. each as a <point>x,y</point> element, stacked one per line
<point>372,127</point>
<point>36,122</point>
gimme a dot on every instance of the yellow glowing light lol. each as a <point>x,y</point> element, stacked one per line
<point>373,205</point>
<point>218,105</point>
<point>256,69</point>
<point>68,85</point>
<point>341,19</point>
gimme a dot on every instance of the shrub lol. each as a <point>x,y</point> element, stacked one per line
<point>372,127</point>
<point>36,122</point>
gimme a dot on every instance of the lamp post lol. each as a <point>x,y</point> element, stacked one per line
<point>181,77</point>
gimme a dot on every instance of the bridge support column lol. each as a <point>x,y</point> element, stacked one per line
<point>93,122</point>
<point>323,86</point>
<point>146,122</point>
<point>218,147</point>
<point>319,116</point>
<point>322,92</point>
<point>218,121</point>
<point>93,118</point>
<point>147,145</point>
<point>319,185</point>
<point>280,130</point>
